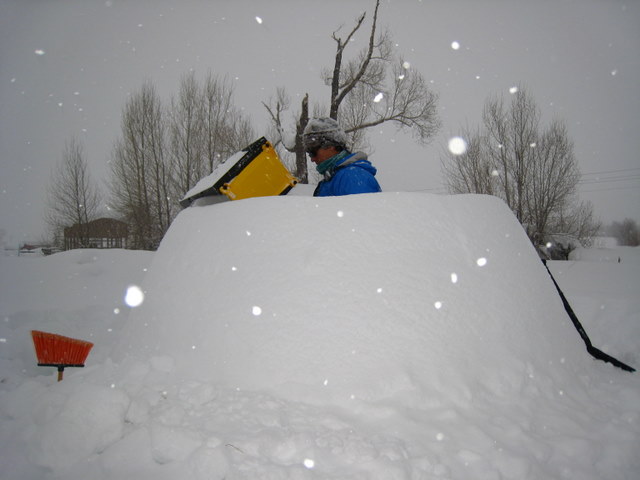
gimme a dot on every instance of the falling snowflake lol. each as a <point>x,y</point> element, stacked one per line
<point>457,145</point>
<point>134,296</point>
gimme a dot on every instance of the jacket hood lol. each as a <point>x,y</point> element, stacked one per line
<point>357,159</point>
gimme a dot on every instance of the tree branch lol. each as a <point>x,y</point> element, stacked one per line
<point>336,95</point>
<point>369,55</point>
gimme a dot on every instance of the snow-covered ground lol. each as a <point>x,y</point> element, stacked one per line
<point>385,336</point>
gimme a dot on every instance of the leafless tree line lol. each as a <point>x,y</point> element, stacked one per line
<point>161,153</point>
<point>164,151</point>
<point>72,196</point>
<point>626,232</point>
<point>531,167</point>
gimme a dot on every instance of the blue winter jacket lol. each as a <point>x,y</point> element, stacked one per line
<point>352,174</point>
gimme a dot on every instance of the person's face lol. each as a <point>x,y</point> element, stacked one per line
<point>321,154</point>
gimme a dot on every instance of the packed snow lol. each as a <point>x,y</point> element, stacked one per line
<point>382,336</point>
<point>218,172</point>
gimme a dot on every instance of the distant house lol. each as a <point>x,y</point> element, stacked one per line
<point>100,233</point>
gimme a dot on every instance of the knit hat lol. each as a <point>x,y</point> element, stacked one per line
<point>323,132</point>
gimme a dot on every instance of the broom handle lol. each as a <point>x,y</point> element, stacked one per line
<point>595,352</point>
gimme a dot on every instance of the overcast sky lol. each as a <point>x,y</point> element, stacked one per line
<point>67,66</point>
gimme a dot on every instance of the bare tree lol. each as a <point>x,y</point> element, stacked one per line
<point>579,222</point>
<point>372,88</point>
<point>626,232</point>
<point>206,128</point>
<point>276,107</point>
<point>550,185</point>
<point>226,128</point>
<point>471,171</point>
<point>163,152</point>
<point>512,136</point>
<point>367,69</point>
<point>140,175</point>
<point>72,197</point>
<point>532,169</point>
<point>187,135</point>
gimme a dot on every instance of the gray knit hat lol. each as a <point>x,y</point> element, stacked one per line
<point>323,132</point>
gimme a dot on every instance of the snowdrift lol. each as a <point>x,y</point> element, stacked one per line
<point>609,306</point>
<point>68,293</point>
<point>363,297</point>
<point>387,336</point>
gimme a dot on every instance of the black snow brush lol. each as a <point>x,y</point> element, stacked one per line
<point>595,352</point>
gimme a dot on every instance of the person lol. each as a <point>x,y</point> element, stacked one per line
<point>344,172</point>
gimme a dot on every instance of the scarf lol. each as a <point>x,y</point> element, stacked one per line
<point>329,163</point>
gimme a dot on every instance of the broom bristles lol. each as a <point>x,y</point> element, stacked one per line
<point>54,349</point>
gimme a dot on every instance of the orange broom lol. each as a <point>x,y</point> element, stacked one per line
<point>57,351</point>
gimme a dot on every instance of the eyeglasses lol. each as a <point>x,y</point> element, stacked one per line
<point>313,151</point>
<point>312,144</point>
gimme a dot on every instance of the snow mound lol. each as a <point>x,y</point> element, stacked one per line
<point>79,271</point>
<point>78,293</point>
<point>362,297</point>
<point>386,336</point>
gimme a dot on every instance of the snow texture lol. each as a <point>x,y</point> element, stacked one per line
<point>381,336</point>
